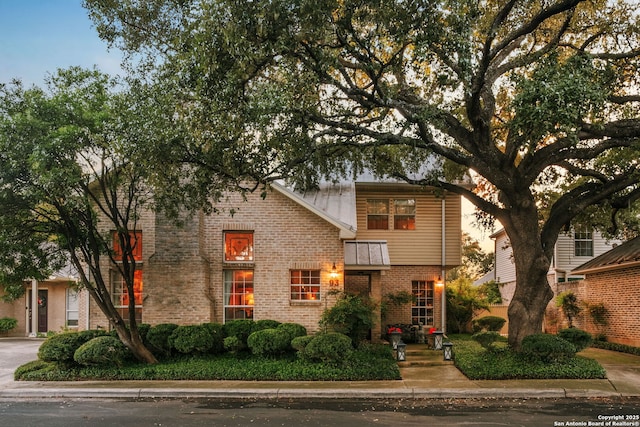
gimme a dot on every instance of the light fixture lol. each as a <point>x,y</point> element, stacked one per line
<point>401,352</point>
<point>448,351</point>
<point>439,282</point>
<point>333,277</point>
<point>396,337</point>
<point>437,339</point>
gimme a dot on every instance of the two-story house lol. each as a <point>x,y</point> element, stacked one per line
<point>280,257</point>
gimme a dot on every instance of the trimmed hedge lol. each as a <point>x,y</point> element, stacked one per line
<point>190,339</point>
<point>158,339</point>
<point>579,338</point>
<point>102,351</point>
<point>7,324</point>
<point>60,348</point>
<point>547,348</point>
<point>486,339</point>
<point>331,347</point>
<point>239,328</point>
<point>269,342</point>
<point>622,348</point>
<point>488,323</point>
<point>217,335</point>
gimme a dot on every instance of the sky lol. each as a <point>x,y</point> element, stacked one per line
<point>37,37</point>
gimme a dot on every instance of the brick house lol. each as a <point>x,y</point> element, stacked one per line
<point>280,257</point>
<point>612,279</point>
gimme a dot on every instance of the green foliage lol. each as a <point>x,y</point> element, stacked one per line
<point>217,334</point>
<point>102,351</point>
<point>158,339</point>
<point>269,342</point>
<point>39,367</point>
<point>299,343</point>
<point>622,348</point>
<point>7,324</point>
<point>191,339</point>
<point>568,303</point>
<point>331,348</point>
<point>294,330</point>
<point>352,315</point>
<point>264,324</point>
<point>599,314</point>
<point>240,328</point>
<point>464,301</point>
<point>579,338</point>
<point>486,339</point>
<point>60,348</point>
<point>233,344</point>
<point>397,299</point>
<point>488,323</point>
<point>491,291</point>
<point>547,348</point>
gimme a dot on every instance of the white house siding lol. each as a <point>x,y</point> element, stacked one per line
<point>566,260</point>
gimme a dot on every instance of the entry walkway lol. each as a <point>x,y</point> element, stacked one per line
<point>424,375</point>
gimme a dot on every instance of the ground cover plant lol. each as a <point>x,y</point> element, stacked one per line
<point>501,363</point>
<point>195,353</point>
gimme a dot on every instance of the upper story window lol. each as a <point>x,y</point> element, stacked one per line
<point>583,243</point>
<point>305,285</point>
<point>404,214</point>
<point>377,214</point>
<point>135,239</point>
<point>238,246</point>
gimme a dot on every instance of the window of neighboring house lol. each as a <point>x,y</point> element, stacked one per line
<point>238,246</point>
<point>404,214</point>
<point>377,214</point>
<point>305,285</point>
<point>121,296</point>
<point>583,243</point>
<point>136,245</point>
<point>72,308</point>
<point>238,294</point>
<point>422,308</point>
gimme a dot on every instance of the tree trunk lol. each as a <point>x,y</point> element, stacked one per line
<point>134,344</point>
<point>533,293</point>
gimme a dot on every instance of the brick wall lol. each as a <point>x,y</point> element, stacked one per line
<point>619,291</point>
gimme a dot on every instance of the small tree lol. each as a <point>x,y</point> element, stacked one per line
<point>568,303</point>
<point>352,315</point>
<point>463,303</point>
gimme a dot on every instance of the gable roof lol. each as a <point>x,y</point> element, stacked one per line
<point>622,256</point>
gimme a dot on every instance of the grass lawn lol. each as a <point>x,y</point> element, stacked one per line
<point>365,365</point>
<point>502,364</point>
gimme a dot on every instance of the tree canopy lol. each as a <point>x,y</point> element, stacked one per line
<point>538,99</point>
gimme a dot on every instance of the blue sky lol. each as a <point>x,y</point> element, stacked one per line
<point>39,36</point>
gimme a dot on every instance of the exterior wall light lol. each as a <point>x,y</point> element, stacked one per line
<point>334,281</point>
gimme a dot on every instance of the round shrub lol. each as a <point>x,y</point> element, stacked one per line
<point>293,329</point>
<point>332,347</point>
<point>240,328</point>
<point>7,324</point>
<point>233,344</point>
<point>489,323</point>
<point>217,335</point>
<point>60,348</point>
<point>269,342</point>
<point>259,325</point>
<point>191,339</point>
<point>486,339</point>
<point>105,350</point>
<point>579,338</point>
<point>547,348</point>
<point>158,339</point>
<point>299,343</point>
<point>143,330</point>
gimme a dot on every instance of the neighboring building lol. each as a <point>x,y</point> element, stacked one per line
<point>572,249</point>
<point>282,256</point>
<point>54,308</point>
<point>612,279</point>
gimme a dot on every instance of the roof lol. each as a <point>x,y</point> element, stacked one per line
<point>366,255</point>
<point>622,256</point>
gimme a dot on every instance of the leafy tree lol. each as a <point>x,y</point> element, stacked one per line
<point>68,188</point>
<point>464,301</point>
<point>538,99</point>
<point>475,261</point>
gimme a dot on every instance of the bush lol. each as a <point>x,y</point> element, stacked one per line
<point>233,344</point>
<point>269,342</point>
<point>158,339</point>
<point>259,325</point>
<point>299,343</point>
<point>102,351</point>
<point>294,330</point>
<point>240,328</point>
<point>60,348</point>
<point>331,348</point>
<point>7,324</point>
<point>352,315</point>
<point>547,348</point>
<point>486,339</point>
<point>579,338</point>
<point>217,335</point>
<point>488,323</point>
<point>191,339</point>
<point>623,348</point>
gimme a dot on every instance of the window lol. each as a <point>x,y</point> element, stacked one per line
<point>238,294</point>
<point>583,243</point>
<point>422,309</point>
<point>404,215</point>
<point>377,214</point>
<point>238,246</point>
<point>121,296</point>
<point>305,285</point>
<point>136,245</point>
<point>72,308</point>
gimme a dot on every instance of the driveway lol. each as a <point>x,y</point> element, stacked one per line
<point>15,352</point>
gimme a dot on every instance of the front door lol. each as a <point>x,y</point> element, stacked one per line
<point>43,295</point>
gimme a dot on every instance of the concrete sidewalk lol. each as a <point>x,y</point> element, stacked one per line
<point>424,375</point>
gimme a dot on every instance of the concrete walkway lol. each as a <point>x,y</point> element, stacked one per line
<point>424,375</point>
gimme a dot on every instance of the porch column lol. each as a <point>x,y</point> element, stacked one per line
<point>34,308</point>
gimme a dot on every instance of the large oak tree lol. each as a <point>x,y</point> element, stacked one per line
<point>537,98</point>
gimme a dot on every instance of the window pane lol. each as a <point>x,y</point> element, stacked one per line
<point>238,294</point>
<point>422,309</point>
<point>404,214</point>
<point>583,243</point>
<point>377,214</point>
<point>238,246</point>
<point>72,307</point>
<point>305,285</point>
<point>135,240</point>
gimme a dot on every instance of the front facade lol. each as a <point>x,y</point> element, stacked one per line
<point>282,257</point>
